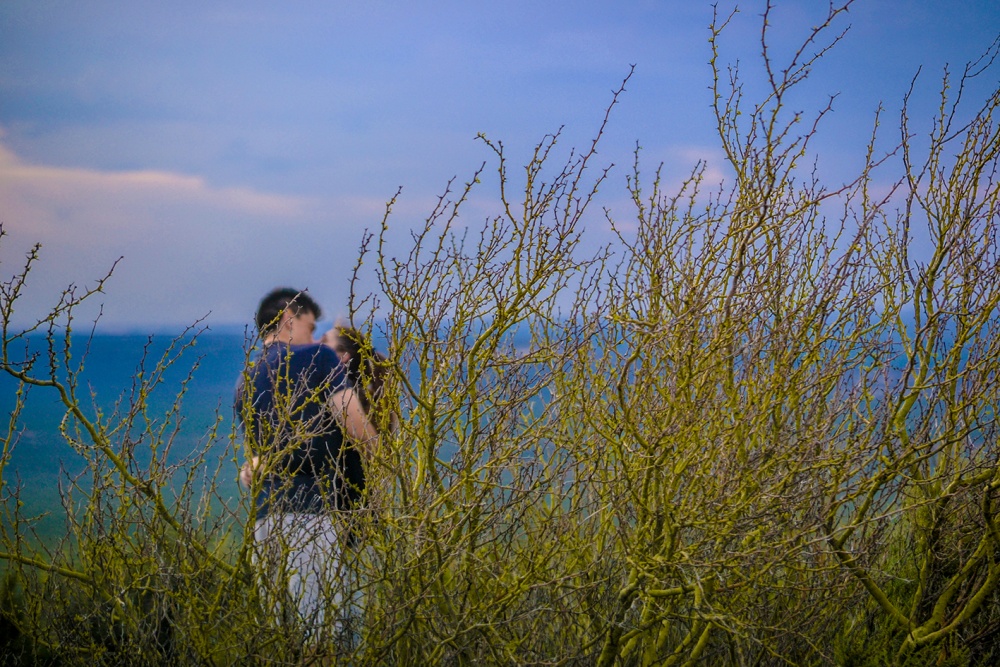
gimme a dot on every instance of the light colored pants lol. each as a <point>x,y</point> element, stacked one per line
<point>304,575</point>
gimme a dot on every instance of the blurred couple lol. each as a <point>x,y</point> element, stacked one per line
<point>313,413</point>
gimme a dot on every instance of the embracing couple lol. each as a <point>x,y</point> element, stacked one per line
<point>312,411</point>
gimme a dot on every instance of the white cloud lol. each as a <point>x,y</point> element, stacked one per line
<point>53,201</point>
<point>189,247</point>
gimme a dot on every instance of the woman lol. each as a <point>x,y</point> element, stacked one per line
<point>368,370</point>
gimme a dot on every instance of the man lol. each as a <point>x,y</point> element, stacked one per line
<point>297,406</point>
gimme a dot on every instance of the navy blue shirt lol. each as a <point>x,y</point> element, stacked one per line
<point>286,413</point>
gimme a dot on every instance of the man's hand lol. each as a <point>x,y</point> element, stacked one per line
<point>248,470</point>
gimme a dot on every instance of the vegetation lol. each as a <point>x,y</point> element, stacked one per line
<point>754,432</point>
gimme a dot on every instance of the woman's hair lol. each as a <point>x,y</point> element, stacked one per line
<point>368,369</point>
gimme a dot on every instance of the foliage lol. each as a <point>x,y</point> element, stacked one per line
<point>753,431</point>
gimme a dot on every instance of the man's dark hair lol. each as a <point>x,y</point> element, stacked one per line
<point>278,301</point>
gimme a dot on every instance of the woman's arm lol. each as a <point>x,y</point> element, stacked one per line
<point>347,408</point>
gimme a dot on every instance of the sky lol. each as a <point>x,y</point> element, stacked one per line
<point>221,149</point>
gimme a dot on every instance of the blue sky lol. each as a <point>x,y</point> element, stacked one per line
<point>225,148</point>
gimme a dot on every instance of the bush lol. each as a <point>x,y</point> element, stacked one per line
<point>753,432</point>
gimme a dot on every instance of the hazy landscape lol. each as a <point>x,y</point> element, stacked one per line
<point>734,409</point>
